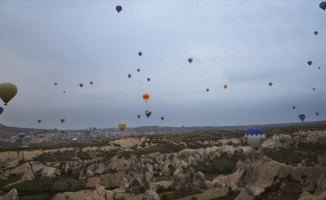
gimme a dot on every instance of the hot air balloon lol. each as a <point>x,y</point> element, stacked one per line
<point>138,116</point>
<point>148,113</point>
<point>293,107</point>
<point>148,79</point>
<point>55,83</point>
<point>317,113</point>
<point>316,32</point>
<point>322,5</point>
<point>302,117</point>
<point>140,53</point>
<point>7,92</point>
<point>270,83</point>
<point>162,118</point>
<point>138,70</point>
<point>190,60</point>
<point>225,86</point>
<point>313,89</point>
<point>207,89</point>
<point>21,135</point>
<point>91,82</point>
<point>145,97</point>
<point>318,67</point>
<point>309,62</point>
<point>255,137</point>
<point>129,75</point>
<point>122,127</point>
<point>39,121</point>
<point>118,8</point>
<point>1,110</point>
<point>64,91</point>
<point>62,120</point>
<point>81,85</point>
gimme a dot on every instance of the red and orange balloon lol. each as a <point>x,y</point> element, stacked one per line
<point>146,97</point>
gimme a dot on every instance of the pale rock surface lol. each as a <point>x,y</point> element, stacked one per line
<point>8,159</point>
<point>150,195</point>
<point>98,193</point>
<point>44,171</point>
<point>244,195</point>
<point>124,184</point>
<point>308,196</point>
<point>179,170</point>
<point>101,168</point>
<point>93,181</point>
<point>11,195</point>
<point>24,169</point>
<point>30,155</point>
<point>112,180</point>
<point>166,169</point>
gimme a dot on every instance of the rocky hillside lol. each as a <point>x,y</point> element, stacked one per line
<point>177,166</point>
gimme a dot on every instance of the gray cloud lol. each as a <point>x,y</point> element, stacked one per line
<point>242,45</point>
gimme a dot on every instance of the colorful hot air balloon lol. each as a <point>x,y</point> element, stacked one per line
<point>309,62</point>
<point>225,86</point>
<point>148,79</point>
<point>118,8</point>
<point>91,82</point>
<point>317,113</point>
<point>293,107</point>
<point>207,89</point>
<point>122,127</point>
<point>39,121</point>
<point>129,75</point>
<point>138,70</point>
<point>148,113</point>
<point>270,83</point>
<point>190,60</point>
<point>145,97</point>
<point>255,137</point>
<point>62,120</point>
<point>316,32</point>
<point>138,116</point>
<point>7,92</point>
<point>322,5</point>
<point>1,110</point>
<point>162,118</point>
<point>140,53</point>
<point>80,84</point>
<point>302,117</point>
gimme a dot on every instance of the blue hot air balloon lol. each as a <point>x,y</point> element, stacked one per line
<point>1,110</point>
<point>255,137</point>
<point>302,117</point>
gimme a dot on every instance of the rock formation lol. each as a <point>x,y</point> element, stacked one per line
<point>150,195</point>
<point>11,195</point>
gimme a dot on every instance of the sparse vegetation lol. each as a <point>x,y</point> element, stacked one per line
<point>83,155</point>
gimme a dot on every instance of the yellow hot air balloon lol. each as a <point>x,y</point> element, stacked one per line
<point>225,86</point>
<point>7,92</point>
<point>122,126</point>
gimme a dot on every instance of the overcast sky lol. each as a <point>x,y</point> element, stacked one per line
<point>244,44</point>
